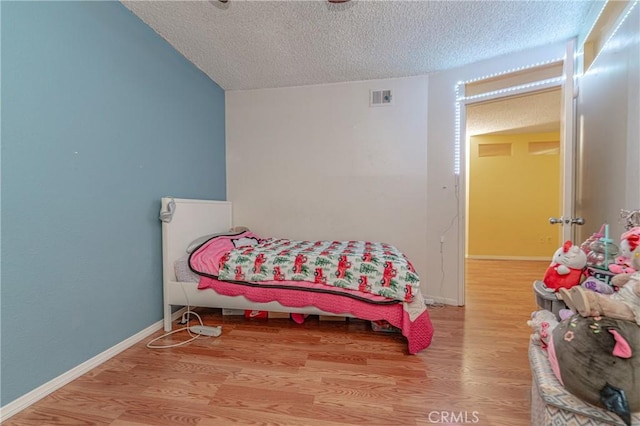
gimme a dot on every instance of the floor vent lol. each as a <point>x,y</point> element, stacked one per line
<point>381,98</point>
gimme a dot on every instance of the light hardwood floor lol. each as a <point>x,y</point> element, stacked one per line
<point>276,372</point>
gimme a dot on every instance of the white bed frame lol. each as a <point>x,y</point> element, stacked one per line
<point>192,219</point>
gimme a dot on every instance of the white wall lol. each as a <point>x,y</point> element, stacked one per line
<point>317,162</point>
<point>609,123</point>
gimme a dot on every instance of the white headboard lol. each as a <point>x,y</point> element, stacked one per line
<point>191,219</point>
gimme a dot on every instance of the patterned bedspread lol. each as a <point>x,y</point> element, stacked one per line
<point>228,263</point>
<point>367,267</point>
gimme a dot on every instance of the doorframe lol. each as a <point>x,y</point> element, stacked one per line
<point>462,146</point>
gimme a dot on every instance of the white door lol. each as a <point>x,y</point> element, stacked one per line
<point>566,218</point>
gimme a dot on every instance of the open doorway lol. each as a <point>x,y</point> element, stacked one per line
<point>513,173</point>
<point>513,170</point>
<point>501,110</point>
<point>520,89</point>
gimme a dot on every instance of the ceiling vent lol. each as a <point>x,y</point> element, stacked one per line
<point>380,98</point>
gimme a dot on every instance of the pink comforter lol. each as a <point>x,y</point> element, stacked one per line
<point>418,332</point>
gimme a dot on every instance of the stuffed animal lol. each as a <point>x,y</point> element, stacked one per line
<point>623,304</point>
<point>542,322</point>
<point>594,284</point>
<point>598,360</point>
<point>629,243</point>
<point>566,269</point>
<point>565,313</point>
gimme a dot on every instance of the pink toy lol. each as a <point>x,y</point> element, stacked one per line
<point>542,322</point>
<point>629,243</point>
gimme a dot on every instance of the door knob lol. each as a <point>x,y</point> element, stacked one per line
<point>577,221</point>
<point>561,220</point>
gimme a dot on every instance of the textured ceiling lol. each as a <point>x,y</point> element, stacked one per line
<point>531,113</point>
<point>262,44</point>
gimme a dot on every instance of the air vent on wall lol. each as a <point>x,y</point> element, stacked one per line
<point>380,98</point>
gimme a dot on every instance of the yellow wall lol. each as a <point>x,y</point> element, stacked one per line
<point>511,199</point>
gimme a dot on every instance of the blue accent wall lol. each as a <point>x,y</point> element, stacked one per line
<point>101,117</point>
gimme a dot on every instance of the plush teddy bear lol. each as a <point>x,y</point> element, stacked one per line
<point>566,268</point>
<point>629,243</point>
<point>623,304</point>
<point>542,322</point>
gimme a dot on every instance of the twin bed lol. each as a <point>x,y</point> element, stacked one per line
<point>229,270</point>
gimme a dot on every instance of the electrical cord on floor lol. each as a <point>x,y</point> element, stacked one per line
<point>185,318</point>
<point>194,336</point>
